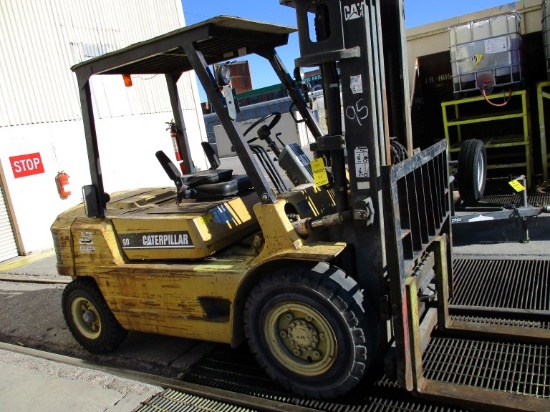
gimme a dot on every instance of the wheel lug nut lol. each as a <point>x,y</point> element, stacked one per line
<point>316,354</point>
<point>283,334</point>
<point>297,352</point>
<point>322,336</point>
<point>309,318</point>
<point>289,316</point>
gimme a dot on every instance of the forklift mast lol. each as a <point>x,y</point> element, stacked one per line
<point>360,48</point>
<point>401,227</point>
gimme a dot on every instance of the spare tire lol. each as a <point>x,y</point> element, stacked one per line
<point>472,171</point>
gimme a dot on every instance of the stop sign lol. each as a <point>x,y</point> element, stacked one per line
<point>26,165</point>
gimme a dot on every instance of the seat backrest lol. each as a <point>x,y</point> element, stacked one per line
<point>170,168</point>
<point>211,155</point>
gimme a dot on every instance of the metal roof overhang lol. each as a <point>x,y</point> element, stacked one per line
<point>219,39</point>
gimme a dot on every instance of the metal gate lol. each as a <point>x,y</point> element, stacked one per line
<point>8,247</point>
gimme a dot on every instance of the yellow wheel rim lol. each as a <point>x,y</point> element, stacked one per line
<point>300,338</point>
<point>86,318</point>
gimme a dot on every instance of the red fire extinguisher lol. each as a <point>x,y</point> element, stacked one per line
<point>62,183</point>
<point>174,136</point>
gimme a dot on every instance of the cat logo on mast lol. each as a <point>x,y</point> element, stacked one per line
<point>355,11</point>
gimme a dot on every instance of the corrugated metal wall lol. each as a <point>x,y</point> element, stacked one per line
<point>40,109</point>
<point>8,247</point>
<point>41,40</point>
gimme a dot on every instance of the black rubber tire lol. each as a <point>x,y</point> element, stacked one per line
<point>398,152</point>
<point>472,171</point>
<point>316,306</point>
<point>101,332</point>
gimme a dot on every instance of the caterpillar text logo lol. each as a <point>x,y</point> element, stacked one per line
<point>165,240</point>
<point>177,239</point>
<point>355,11</point>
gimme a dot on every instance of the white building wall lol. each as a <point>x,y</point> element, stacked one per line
<point>40,108</point>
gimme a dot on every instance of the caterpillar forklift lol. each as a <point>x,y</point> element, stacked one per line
<point>348,269</point>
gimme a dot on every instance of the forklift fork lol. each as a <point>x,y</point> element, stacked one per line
<point>419,226</point>
<point>446,391</point>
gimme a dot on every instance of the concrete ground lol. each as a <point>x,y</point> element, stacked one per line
<point>29,383</point>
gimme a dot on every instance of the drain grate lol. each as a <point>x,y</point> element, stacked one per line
<point>513,284</point>
<point>534,199</point>
<point>509,367</point>
<point>174,401</point>
<point>236,370</point>
<point>502,321</point>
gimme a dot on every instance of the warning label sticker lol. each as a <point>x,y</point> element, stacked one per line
<point>518,187</point>
<point>87,242</point>
<point>319,172</point>
<point>362,162</point>
<point>496,45</point>
<point>356,84</point>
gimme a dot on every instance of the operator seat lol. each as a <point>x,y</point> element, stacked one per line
<point>204,185</point>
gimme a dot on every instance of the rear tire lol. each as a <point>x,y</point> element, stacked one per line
<point>472,171</point>
<point>89,318</point>
<point>308,329</point>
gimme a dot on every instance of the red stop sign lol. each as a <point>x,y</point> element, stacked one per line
<point>26,165</point>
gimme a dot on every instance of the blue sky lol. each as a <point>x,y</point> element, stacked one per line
<point>418,12</point>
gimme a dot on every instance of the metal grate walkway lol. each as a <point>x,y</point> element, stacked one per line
<point>514,284</point>
<point>534,199</point>
<point>236,370</point>
<point>518,368</point>
<point>174,401</point>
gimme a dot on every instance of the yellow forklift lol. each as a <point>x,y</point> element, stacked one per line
<point>349,267</point>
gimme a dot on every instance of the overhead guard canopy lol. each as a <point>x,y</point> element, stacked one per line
<point>196,47</point>
<point>219,39</point>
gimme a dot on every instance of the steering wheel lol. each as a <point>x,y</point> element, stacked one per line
<point>276,117</point>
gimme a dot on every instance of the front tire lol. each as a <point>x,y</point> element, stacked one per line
<point>88,317</point>
<point>308,329</point>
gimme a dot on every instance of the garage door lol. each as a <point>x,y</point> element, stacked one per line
<point>8,247</point>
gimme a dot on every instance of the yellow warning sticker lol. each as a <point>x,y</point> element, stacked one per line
<point>477,58</point>
<point>319,172</point>
<point>518,187</point>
